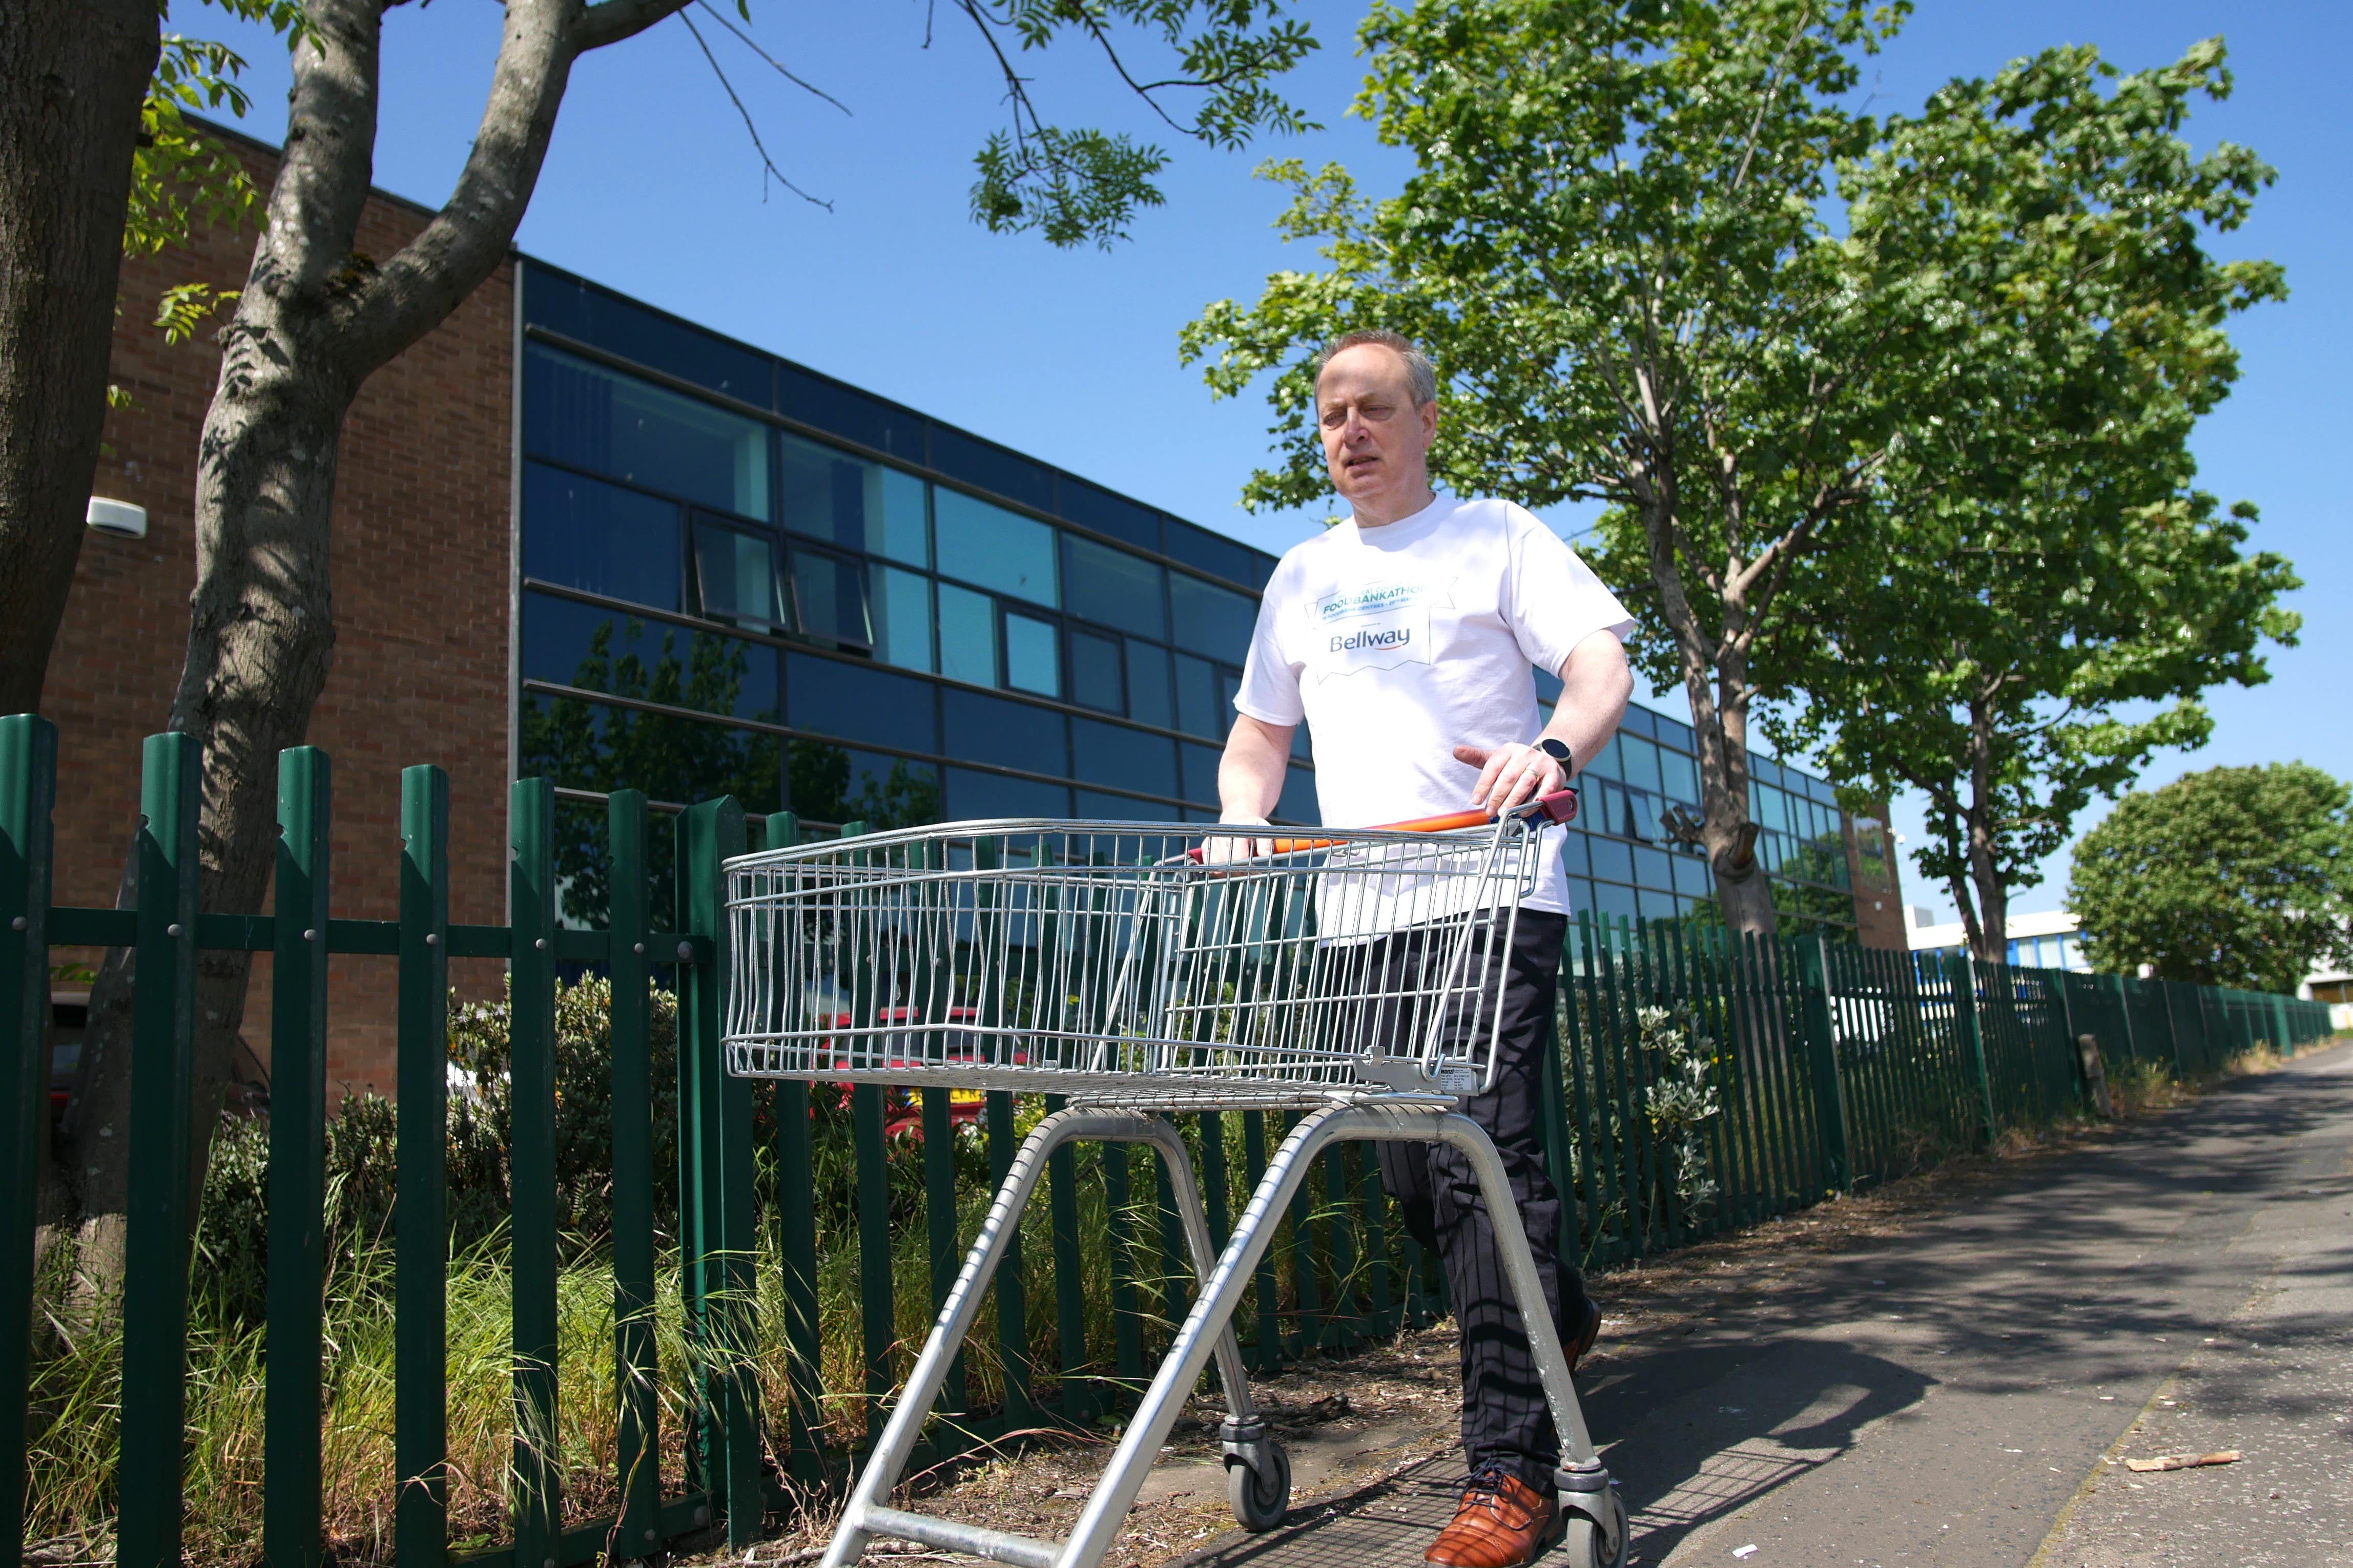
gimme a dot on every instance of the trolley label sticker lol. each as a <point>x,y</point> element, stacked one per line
<point>1378,625</point>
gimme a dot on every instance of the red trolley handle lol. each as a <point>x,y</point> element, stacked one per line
<point>1560,805</point>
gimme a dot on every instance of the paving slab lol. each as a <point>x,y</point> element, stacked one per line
<point>1953,1395</point>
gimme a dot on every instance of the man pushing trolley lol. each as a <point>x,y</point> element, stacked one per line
<point>1390,982</point>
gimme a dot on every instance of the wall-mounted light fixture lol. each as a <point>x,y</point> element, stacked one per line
<point>119,518</point>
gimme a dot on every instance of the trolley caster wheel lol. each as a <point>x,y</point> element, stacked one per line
<point>1585,1544</point>
<point>1260,1501</point>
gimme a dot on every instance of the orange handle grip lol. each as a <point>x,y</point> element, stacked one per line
<point>1559,806</point>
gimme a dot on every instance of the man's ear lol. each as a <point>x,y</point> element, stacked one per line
<point>1427,414</point>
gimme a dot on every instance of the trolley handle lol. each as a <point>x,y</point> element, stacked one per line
<point>1559,806</point>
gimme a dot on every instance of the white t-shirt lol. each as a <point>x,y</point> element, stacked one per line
<point>1398,644</point>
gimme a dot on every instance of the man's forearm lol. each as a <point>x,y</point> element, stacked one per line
<point>1250,775</point>
<point>1595,684</point>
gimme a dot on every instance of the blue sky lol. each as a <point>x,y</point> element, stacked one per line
<point>652,186</point>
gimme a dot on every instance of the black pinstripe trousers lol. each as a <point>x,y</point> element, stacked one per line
<point>1505,1418</point>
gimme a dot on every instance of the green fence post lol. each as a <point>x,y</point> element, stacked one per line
<point>636,1363</point>
<point>537,1500</point>
<point>797,1241</point>
<point>716,1180</point>
<point>290,1478</point>
<point>1069,1297</point>
<point>1012,1298</point>
<point>1961,969</point>
<point>28,773</point>
<point>163,1058</point>
<point>2279,1022</point>
<point>421,1202</point>
<point>1822,1047</point>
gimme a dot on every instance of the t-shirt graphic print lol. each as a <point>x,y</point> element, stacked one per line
<point>1397,644</point>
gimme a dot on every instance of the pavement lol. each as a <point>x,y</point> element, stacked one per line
<point>1966,1392</point>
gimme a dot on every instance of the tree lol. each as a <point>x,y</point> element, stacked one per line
<point>2030,572</point>
<point>316,317</point>
<point>1664,267</point>
<point>2230,876</point>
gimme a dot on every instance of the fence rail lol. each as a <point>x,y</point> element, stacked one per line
<point>1702,1082</point>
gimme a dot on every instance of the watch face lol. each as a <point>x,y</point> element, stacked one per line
<point>1557,749</point>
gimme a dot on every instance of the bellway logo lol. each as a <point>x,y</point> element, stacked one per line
<point>1367,602</point>
<point>1394,637</point>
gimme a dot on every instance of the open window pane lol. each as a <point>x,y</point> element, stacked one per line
<point>735,574</point>
<point>1030,659</point>
<point>830,598</point>
<point>967,636</point>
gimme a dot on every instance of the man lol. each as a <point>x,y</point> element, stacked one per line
<point>1404,637</point>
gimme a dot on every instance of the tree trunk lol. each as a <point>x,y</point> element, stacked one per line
<point>1719,704</point>
<point>72,76</point>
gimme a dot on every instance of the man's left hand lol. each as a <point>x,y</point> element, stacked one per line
<point>1511,776</point>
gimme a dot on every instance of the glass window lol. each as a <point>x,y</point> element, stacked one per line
<point>1112,587</point>
<point>1638,761</point>
<point>583,414</point>
<point>1302,747</point>
<point>1572,853</point>
<point>1032,663</point>
<point>1298,803</point>
<point>835,783</point>
<point>1611,902</point>
<point>992,467</point>
<point>845,411</point>
<point>1603,764</point>
<point>1122,758</point>
<point>994,548</point>
<point>902,618</point>
<point>1200,771</point>
<point>1692,877</point>
<point>1095,679</point>
<point>1611,859</point>
<point>1547,685</point>
<point>1680,774</point>
<point>856,504</point>
<point>1009,735</point>
<point>591,746</point>
<point>1198,711</point>
<point>599,538</point>
<point>1124,808</point>
<point>1148,685</point>
<point>1651,870</point>
<point>1637,721</point>
<point>858,702</point>
<point>619,325</point>
<point>979,796</point>
<point>1104,512</point>
<point>967,634</point>
<point>1672,732</point>
<point>1214,553</point>
<point>830,597</point>
<point>1653,905</point>
<point>1210,620</point>
<point>735,577</point>
<point>579,645</point>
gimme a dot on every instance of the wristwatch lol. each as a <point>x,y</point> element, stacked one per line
<point>1557,750</point>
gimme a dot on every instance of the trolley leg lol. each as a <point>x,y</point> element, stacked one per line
<point>1243,1435</point>
<point>888,1459</point>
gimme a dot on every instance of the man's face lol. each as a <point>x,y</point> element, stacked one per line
<point>1376,442</point>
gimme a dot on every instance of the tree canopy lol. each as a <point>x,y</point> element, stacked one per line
<point>2230,876</point>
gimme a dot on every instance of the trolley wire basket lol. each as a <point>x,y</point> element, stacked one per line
<point>1128,962</point>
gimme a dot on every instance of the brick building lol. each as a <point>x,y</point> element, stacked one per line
<point>910,620</point>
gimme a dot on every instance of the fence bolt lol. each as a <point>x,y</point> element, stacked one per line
<point>17,924</point>
<point>540,945</point>
<point>686,952</point>
<point>637,947</point>
<point>432,938</point>
<point>172,930</point>
<point>310,933</point>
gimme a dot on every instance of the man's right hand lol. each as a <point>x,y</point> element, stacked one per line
<point>1224,845</point>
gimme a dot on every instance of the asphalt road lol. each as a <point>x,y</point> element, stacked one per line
<point>1967,1393</point>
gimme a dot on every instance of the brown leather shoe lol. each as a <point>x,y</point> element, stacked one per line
<point>1583,1341</point>
<point>1503,1522</point>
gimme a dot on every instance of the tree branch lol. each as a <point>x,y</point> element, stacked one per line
<point>767,164</point>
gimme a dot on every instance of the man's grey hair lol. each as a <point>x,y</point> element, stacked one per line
<point>1421,375</point>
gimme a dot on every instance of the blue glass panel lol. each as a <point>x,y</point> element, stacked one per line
<point>1547,685</point>
<point>592,746</point>
<point>1200,771</point>
<point>854,416</point>
<point>1763,770</point>
<point>735,577</point>
<point>1573,858</point>
<point>621,326</point>
<point>902,618</point>
<point>1302,744</point>
<point>1603,763</point>
<point>599,538</point>
<point>830,495</point>
<point>977,796</point>
<point>1637,763</point>
<point>1122,758</point>
<point>1215,553</point>
<point>1148,683</point>
<point>574,643</point>
<point>1096,807</point>
<point>830,597</point>
<point>1009,735</point>
<point>993,548</point>
<point>967,634</point>
<point>1198,711</point>
<point>992,467</point>
<point>1612,902</point>
<point>1680,774</point>
<point>1673,732</point>
<point>1693,879</point>
<point>1611,859</point>
<point>1033,658</point>
<point>1112,588</point>
<point>585,415</point>
<point>1090,507</point>
<point>1298,803</point>
<point>1651,868</point>
<point>838,784</point>
<point>1095,680</point>
<point>1653,905</point>
<point>857,701</point>
<point>1211,621</point>
<point>1637,721</point>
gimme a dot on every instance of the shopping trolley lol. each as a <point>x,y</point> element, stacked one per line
<point>1140,970</point>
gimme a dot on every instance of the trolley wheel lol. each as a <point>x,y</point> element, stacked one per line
<point>1583,1545</point>
<point>1260,1501</point>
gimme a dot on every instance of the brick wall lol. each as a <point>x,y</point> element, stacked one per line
<point>420,577</point>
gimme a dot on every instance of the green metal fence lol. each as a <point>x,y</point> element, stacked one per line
<point>1702,1082</point>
